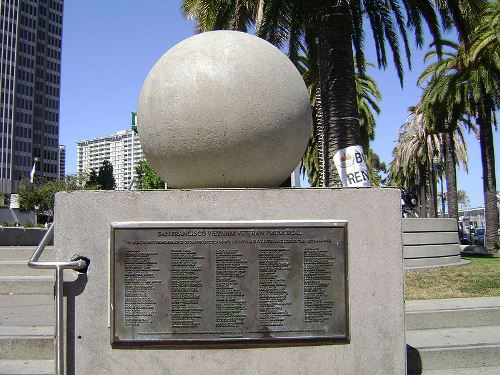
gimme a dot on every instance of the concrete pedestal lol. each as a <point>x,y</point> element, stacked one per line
<point>375,269</point>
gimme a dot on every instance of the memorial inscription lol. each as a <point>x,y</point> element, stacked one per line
<point>189,282</point>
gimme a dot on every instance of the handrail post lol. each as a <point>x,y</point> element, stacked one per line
<point>59,300</point>
<point>81,263</point>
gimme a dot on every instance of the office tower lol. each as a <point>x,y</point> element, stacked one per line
<point>62,162</point>
<point>30,65</point>
<point>122,149</point>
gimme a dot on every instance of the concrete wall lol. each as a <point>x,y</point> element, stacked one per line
<point>13,215</point>
<point>430,243</point>
<point>375,269</point>
<point>10,236</point>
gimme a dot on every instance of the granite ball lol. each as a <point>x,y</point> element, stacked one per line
<point>224,109</point>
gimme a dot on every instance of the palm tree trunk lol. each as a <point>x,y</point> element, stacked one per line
<point>489,182</point>
<point>432,193</point>
<point>338,90</point>
<point>422,191</point>
<point>450,173</point>
<point>319,137</point>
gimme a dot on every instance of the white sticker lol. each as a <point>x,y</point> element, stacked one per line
<point>351,166</point>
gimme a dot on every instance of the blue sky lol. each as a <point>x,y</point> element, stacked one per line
<point>110,46</point>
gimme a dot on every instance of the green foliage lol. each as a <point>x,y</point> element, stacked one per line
<point>105,178</point>
<point>40,197</point>
<point>101,180</point>
<point>147,176</point>
<point>297,25</point>
<point>375,168</point>
<point>93,181</point>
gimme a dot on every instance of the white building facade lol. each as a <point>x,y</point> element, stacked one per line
<point>123,150</point>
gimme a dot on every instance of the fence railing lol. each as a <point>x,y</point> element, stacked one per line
<point>79,264</point>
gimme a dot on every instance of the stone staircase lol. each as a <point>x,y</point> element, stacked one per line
<point>26,314</point>
<point>445,337</point>
<point>453,336</point>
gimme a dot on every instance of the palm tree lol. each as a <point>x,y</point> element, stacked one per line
<point>337,27</point>
<point>472,81</point>
<point>367,95</point>
<point>417,150</point>
<point>412,166</point>
<point>484,74</point>
<point>443,114</point>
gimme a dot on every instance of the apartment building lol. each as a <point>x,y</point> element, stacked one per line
<point>122,149</point>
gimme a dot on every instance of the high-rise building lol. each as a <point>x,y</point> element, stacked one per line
<point>123,150</point>
<point>62,162</point>
<point>30,66</point>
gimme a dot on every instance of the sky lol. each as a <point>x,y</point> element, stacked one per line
<point>110,46</point>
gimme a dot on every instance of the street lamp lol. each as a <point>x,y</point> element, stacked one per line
<point>33,170</point>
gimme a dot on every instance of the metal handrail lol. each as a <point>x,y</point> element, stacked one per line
<point>59,268</point>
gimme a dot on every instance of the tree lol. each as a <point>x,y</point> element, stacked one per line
<point>471,78</point>
<point>367,95</point>
<point>105,178</point>
<point>443,114</point>
<point>337,27</point>
<point>93,180</point>
<point>463,199</point>
<point>147,176</point>
<point>412,164</point>
<point>40,197</point>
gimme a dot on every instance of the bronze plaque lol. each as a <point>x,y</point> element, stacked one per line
<point>228,282</point>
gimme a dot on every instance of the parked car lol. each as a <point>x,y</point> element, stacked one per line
<point>478,238</point>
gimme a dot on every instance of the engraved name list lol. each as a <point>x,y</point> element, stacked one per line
<point>228,282</point>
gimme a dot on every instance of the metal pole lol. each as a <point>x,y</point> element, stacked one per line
<point>79,264</point>
<point>59,341</point>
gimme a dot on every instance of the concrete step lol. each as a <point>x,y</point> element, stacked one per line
<point>26,284</point>
<point>452,313</point>
<point>26,367</point>
<point>27,310</point>
<point>453,348</point>
<point>24,253</point>
<point>495,370</point>
<point>23,342</point>
<point>26,332</point>
<point>21,268</point>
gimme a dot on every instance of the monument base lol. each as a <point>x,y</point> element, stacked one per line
<point>376,342</point>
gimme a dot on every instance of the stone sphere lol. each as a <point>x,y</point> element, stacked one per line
<point>224,109</point>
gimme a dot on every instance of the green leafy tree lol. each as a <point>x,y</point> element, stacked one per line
<point>93,180</point>
<point>105,178</point>
<point>76,181</point>
<point>147,176</point>
<point>40,197</point>
<point>337,27</point>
